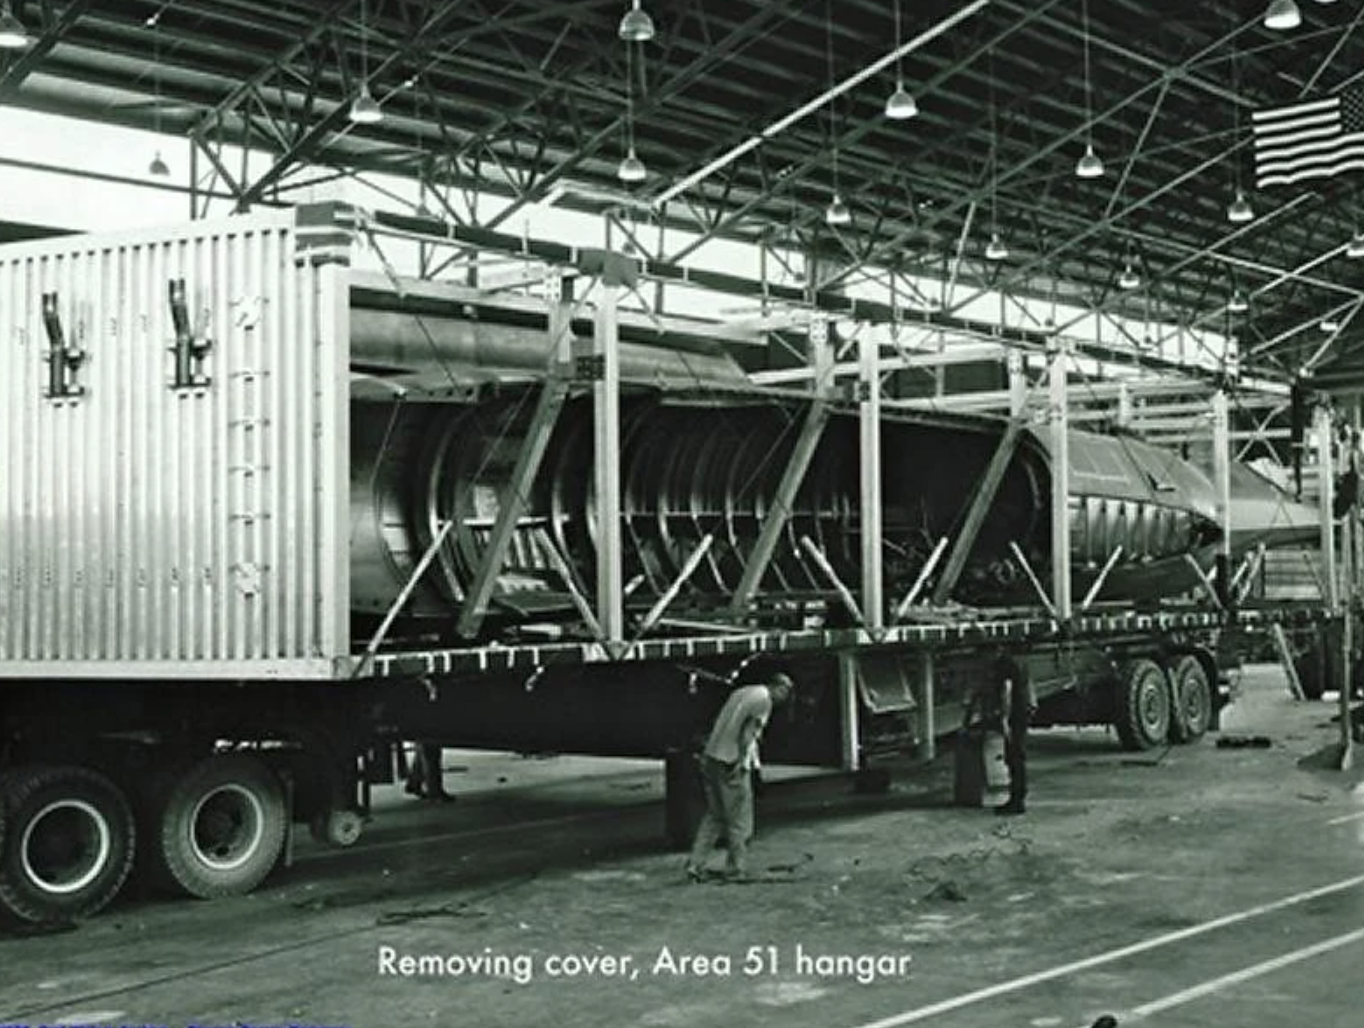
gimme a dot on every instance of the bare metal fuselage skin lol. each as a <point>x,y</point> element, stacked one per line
<point>706,458</point>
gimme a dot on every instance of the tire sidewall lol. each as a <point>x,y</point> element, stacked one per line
<point>1189,680</point>
<point>181,861</point>
<point>1144,707</point>
<point>26,795</point>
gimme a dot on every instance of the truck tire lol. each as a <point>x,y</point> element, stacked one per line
<point>219,826</point>
<point>1191,711</point>
<point>68,844</point>
<point>1142,715</point>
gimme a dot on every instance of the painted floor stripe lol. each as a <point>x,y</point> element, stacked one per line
<point>1246,974</point>
<point>1110,956</point>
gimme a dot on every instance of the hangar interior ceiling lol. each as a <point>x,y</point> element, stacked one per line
<point>529,99</point>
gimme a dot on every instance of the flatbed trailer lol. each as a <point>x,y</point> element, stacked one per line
<point>223,607</point>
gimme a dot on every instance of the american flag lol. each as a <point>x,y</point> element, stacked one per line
<point>1316,139</point>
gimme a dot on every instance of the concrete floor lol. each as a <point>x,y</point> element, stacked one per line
<point>1191,887</point>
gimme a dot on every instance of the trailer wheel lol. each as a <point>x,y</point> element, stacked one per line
<point>220,827</point>
<point>68,844</point>
<point>1143,706</point>
<point>1191,713</point>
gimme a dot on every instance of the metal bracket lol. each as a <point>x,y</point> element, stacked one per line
<point>63,361</point>
<point>589,367</point>
<point>189,352</point>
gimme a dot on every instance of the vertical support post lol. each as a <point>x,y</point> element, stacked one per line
<point>1221,466</point>
<point>606,456</point>
<point>849,723</point>
<point>1018,381</point>
<point>869,453</point>
<point>1349,570</point>
<point>1124,417</point>
<point>1059,421</point>
<point>928,693</point>
<point>1326,488</point>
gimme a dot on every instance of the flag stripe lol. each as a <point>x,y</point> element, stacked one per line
<point>1291,155</point>
<point>1302,142</point>
<point>1279,113</point>
<point>1352,163</point>
<point>1313,124</point>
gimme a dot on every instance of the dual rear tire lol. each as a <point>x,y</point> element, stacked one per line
<point>1157,704</point>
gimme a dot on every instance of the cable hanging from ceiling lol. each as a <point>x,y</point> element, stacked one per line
<point>996,249</point>
<point>837,213</point>
<point>900,105</point>
<point>631,169</point>
<point>158,167</point>
<point>364,109</point>
<point>1239,211</point>
<point>1089,165</point>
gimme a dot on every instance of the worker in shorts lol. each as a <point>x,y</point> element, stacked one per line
<point>727,764</point>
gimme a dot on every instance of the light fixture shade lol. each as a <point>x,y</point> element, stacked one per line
<point>364,109</point>
<point>901,105</point>
<point>632,169</point>
<point>1089,166</point>
<point>1238,304</point>
<point>1129,279</point>
<point>996,249</point>
<point>636,26</point>
<point>837,212</point>
<point>1329,325</point>
<point>1355,248</point>
<point>1282,14</point>
<point>158,167</point>
<point>13,35</point>
<point>1239,211</point>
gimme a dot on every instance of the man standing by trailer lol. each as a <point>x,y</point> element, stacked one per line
<point>1016,706</point>
<point>727,763</point>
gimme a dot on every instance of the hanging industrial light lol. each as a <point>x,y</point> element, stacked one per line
<point>631,168</point>
<point>1354,249</point>
<point>1329,324</point>
<point>364,109</point>
<point>158,167</point>
<point>1089,165</point>
<point>996,249</point>
<point>900,105</point>
<point>1129,279</point>
<point>837,212</point>
<point>1239,211</point>
<point>636,26</point>
<point>1283,14</point>
<point>13,35</point>
<point>1238,304</point>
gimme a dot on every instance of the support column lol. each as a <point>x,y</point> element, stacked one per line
<point>606,452</point>
<point>1221,465</point>
<point>928,697</point>
<point>1018,382</point>
<point>849,710</point>
<point>1059,421</point>
<point>869,454</point>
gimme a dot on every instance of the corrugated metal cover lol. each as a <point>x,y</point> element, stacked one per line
<point>152,529</point>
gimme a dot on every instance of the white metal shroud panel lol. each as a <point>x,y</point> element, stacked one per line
<point>151,531</point>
